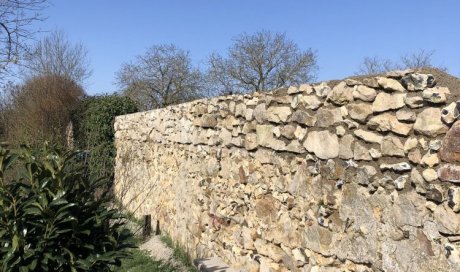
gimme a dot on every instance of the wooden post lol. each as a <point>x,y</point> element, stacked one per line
<point>157,228</point>
<point>147,230</point>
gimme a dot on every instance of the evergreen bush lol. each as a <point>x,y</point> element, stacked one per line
<point>51,219</point>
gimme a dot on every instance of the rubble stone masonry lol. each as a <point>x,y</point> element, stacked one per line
<point>352,176</point>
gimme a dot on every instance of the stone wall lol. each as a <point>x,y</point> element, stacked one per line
<point>352,176</point>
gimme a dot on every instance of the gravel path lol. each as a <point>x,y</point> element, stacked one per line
<point>159,251</point>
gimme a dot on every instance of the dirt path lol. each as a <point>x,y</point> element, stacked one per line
<point>159,251</point>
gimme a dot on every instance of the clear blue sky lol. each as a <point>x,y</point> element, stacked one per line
<point>341,32</point>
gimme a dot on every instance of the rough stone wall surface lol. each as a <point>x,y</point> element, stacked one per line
<point>364,176</point>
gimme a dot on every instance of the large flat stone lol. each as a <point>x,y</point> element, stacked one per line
<point>450,150</point>
<point>323,144</point>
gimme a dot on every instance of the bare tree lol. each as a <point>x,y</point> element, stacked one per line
<point>16,18</point>
<point>419,59</point>
<point>40,110</point>
<point>56,55</point>
<point>375,65</point>
<point>261,62</point>
<point>164,75</point>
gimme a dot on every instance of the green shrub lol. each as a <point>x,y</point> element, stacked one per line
<point>52,220</point>
<point>93,122</point>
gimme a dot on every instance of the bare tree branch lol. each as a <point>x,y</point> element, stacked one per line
<point>164,75</point>
<point>16,19</point>
<point>261,62</point>
<point>419,59</point>
<point>56,55</point>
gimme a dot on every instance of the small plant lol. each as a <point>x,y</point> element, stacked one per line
<point>142,262</point>
<point>179,253</point>
<point>51,219</point>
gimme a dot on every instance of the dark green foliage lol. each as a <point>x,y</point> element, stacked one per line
<point>52,220</point>
<point>93,129</point>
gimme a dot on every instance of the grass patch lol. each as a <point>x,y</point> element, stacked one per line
<point>179,253</point>
<point>140,261</point>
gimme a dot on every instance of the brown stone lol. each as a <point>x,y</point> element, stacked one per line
<point>392,146</point>
<point>450,150</point>
<point>327,117</point>
<point>208,121</point>
<point>359,111</point>
<point>449,172</point>
<point>303,118</point>
<point>266,208</point>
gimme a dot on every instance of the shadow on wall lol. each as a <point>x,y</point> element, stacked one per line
<point>211,265</point>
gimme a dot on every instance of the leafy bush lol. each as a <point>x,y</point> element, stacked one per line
<point>93,129</point>
<point>51,219</point>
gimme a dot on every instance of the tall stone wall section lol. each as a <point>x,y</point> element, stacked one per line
<point>355,176</point>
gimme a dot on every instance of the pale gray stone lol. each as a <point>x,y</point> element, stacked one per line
<point>341,94</point>
<point>322,90</point>
<point>392,146</point>
<point>397,167</point>
<point>400,182</point>
<point>429,122</point>
<point>410,144</point>
<point>435,145</point>
<point>345,147</point>
<point>375,153</point>
<point>385,101</point>
<point>453,198</point>
<point>311,102</point>
<point>270,250</point>
<point>240,110</point>
<point>417,179</point>
<point>323,144</point>
<point>287,131</point>
<point>250,141</point>
<point>278,114</point>
<point>340,131</point>
<point>208,121</point>
<point>430,175</point>
<point>260,113</point>
<point>361,153</point>
<point>414,102</point>
<point>300,133</point>
<point>450,113</point>
<point>367,136</point>
<point>303,118</point>
<point>359,111</point>
<point>293,90</point>
<point>295,146</point>
<point>352,82</point>
<point>306,88</point>
<point>434,96</point>
<point>364,93</point>
<point>266,138</point>
<point>388,122</point>
<point>406,115</point>
<point>328,116</point>
<point>448,221</point>
<point>390,84</point>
